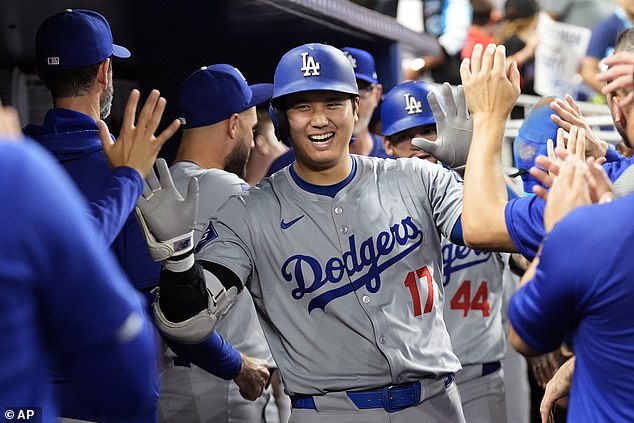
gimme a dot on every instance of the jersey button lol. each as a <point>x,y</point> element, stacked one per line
<point>365,299</point>
<point>382,339</point>
<point>338,210</point>
<point>343,229</point>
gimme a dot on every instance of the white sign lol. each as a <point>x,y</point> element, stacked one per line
<point>559,52</point>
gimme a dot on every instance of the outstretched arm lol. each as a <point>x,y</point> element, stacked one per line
<point>491,88</point>
<point>131,158</point>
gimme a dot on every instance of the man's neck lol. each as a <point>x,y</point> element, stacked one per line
<point>200,150</point>
<point>87,105</point>
<point>325,177</point>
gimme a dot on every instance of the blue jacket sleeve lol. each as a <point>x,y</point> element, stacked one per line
<point>115,202</point>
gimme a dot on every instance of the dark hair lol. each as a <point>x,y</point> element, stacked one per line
<point>69,82</point>
<point>514,9</point>
<point>625,40</point>
<point>481,11</point>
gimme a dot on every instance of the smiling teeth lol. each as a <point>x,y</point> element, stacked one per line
<point>321,137</point>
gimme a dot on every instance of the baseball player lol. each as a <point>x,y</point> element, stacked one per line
<point>341,254</point>
<point>62,297</point>
<point>217,110</point>
<point>472,279</point>
<point>74,50</point>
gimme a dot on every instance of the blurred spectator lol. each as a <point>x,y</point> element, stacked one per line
<point>449,21</point>
<point>603,40</point>
<point>483,26</point>
<point>519,36</point>
<point>586,13</point>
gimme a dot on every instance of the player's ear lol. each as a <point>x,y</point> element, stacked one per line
<point>102,73</point>
<point>355,107</point>
<point>378,92</point>
<point>232,125</point>
<point>388,146</point>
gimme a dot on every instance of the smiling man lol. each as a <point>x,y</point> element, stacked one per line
<point>341,254</point>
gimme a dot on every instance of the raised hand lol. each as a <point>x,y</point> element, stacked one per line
<point>166,218</point>
<point>569,190</point>
<point>620,75</point>
<point>454,128</point>
<point>568,114</point>
<point>9,124</point>
<point>491,85</point>
<point>136,146</point>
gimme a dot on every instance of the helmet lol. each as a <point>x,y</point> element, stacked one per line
<point>531,139</point>
<point>309,67</point>
<point>405,106</point>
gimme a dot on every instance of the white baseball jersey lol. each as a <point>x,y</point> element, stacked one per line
<point>473,299</point>
<point>347,286</point>
<point>240,325</point>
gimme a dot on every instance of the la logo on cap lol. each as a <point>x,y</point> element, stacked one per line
<point>351,59</point>
<point>52,61</point>
<point>412,105</point>
<point>310,67</point>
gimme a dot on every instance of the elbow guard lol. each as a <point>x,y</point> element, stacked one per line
<point>199,327</point>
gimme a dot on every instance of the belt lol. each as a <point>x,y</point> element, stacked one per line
<point>475,371</point>
<point>488,368</point>
<point>181,362</point>
<point>391,398</point>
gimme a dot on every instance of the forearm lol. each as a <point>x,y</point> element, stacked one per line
<point>485,194</point>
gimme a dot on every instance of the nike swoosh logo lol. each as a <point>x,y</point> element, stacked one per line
<point>286,225</point>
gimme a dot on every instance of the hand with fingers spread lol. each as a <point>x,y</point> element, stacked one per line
<point>569,190</point>
<point>454,128</point>
<point>620,75</point>
<point>136,146</point>
<point>491,85</point>
<point>556,389</point>
<point>575,146</point>
<point>568,114</point>
<point>167,220</point>
<point>253,377</point>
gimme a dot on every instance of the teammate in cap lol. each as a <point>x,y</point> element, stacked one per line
<point>74,50</point>
<point>63,297</point>
<point>472,279</point>
<point>341,254</point>
<point>217,110</point>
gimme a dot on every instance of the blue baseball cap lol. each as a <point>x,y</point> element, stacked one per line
<point>531,140</point>
<point>213,93</point>
<point>75,38</point>
<point>362,63</point>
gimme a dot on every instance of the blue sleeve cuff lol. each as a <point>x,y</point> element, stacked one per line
<point>131,174</point>
<point>612,155</point>
<point>215,355</point>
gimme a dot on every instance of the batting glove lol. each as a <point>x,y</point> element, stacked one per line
<point>167,220</point>
<point>454,127</point>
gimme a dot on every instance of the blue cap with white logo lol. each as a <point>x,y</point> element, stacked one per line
<point>75,38</point>
<point>213,93</point>
<point>362,63</point>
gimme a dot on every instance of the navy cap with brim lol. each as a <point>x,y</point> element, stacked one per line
<point>261,93</point>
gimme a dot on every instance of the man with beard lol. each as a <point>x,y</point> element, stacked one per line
<point>217,111</point>
<point>73,51</point>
